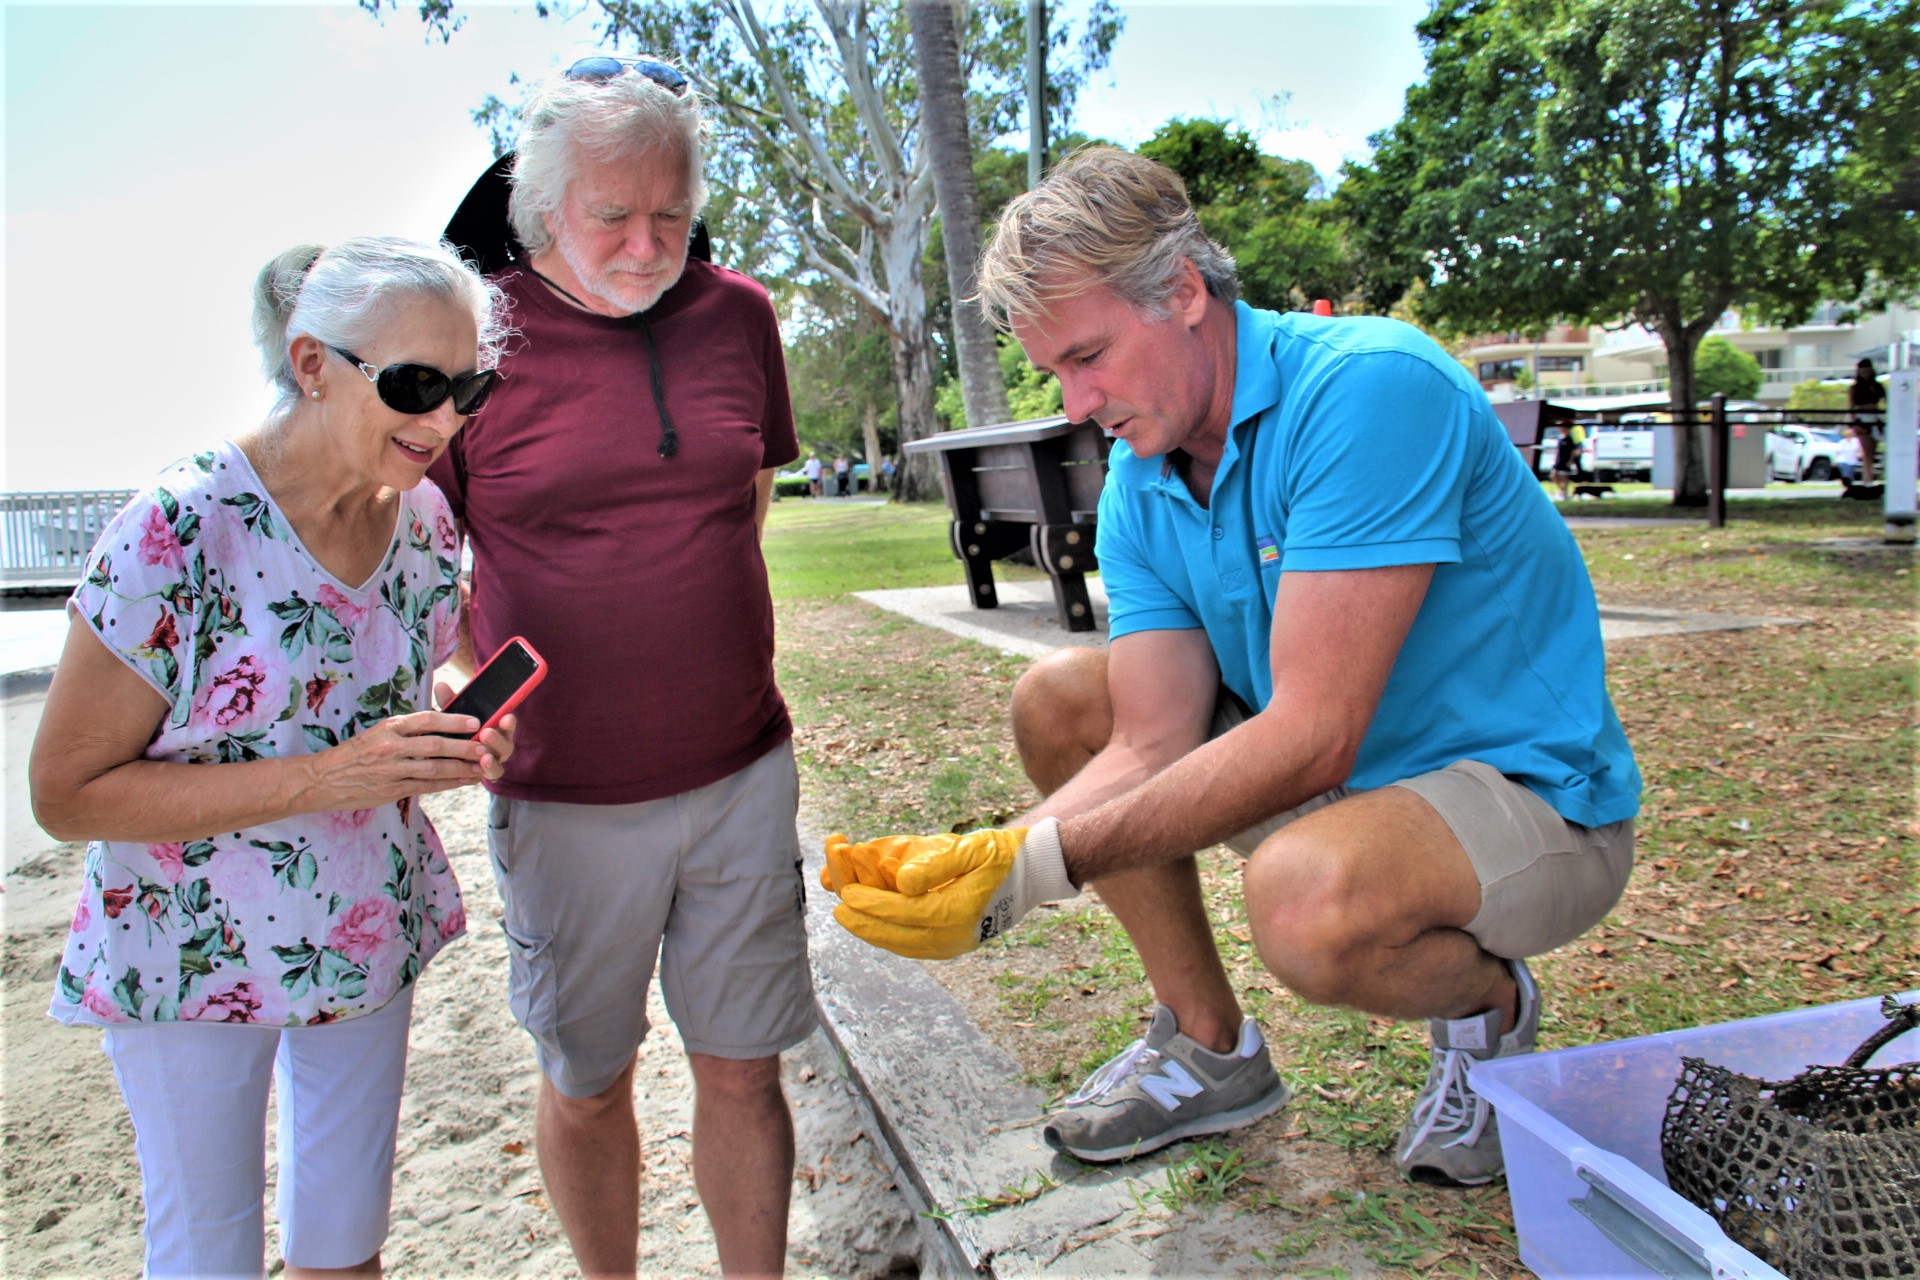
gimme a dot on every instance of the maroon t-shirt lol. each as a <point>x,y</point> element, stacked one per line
<point>637,577</point>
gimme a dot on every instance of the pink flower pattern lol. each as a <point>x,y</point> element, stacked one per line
<point>169,861</point>
<point>237,998</point>
<point>234,696</point>
<point>159,544</point>
<point>366,930</point>
<point>262,901</point>
<point>351,615</point>
<point>101,1005</point>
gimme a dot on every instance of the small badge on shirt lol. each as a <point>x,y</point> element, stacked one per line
<point>1269,551</point>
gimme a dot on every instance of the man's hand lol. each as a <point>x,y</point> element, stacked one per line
<point>937,897</point>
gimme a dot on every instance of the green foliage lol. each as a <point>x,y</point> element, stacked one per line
<point>839,363</point>
<point>1660,160</point>
<point>1030,393</point>
<point>1722,368</point>
<point>1269,213</point>
<point>1817,395</point>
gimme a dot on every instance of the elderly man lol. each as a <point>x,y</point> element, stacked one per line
<point>1350,638</point>
<point>614,497</point>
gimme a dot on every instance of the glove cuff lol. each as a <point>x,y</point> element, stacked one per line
<point>1043,869</point>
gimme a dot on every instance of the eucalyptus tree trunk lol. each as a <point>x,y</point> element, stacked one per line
<point>943,124</point>
<point>870,437</point>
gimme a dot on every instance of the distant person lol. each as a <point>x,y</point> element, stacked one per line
<point>1370,663</point>
<point>1566,460</point>
<point>615,496</point>
<point>1846,460</point>
<point>841,472</point>
<point>1865,395</point>
<point>812,468</point>
<point>887,470</point>
<point>239,726</point>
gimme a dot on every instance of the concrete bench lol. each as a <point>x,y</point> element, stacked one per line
<point>1033,485</point>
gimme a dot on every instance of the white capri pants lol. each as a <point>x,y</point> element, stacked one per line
<point>197,1093</point>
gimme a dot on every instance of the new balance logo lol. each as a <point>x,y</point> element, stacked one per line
<point>1172,1084</point>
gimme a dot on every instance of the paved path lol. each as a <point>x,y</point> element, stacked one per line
<point>1024,623</point>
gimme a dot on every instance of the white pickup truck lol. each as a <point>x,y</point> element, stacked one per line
<point>1613,451</point>
<point>1623,450</point>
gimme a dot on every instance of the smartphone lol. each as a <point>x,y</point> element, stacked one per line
<point>509,676</point>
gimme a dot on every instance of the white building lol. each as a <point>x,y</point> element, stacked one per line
<point>1631,361</point>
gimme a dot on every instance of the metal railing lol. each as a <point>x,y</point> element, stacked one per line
<point>55,530</point>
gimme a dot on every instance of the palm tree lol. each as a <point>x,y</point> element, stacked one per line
<point>943,124</point>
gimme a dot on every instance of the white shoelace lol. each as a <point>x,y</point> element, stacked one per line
<point>1136,1057</point>
<point>1448,1101</point>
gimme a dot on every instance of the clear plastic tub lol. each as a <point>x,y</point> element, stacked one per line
<point>1580,1129</point>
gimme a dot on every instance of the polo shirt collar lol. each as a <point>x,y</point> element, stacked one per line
<point>1256,382</point>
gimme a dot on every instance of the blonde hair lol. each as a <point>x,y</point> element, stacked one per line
<point>1104,218</point>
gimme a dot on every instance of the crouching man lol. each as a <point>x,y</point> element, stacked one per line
<point>1349,637</point>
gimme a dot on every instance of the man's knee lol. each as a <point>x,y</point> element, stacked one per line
<point>594,1109</point>
<point>1062,714</point>
<point>1309,916</point>
<point>736,1080</point>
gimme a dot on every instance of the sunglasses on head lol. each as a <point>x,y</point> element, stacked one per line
<point>607,66</point>
<point>420,388</point>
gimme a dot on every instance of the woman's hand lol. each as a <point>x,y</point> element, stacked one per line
<point>410,755</point>
<point>497,742</point>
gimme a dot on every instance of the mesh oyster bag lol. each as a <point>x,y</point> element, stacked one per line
<point>1819,1175</point>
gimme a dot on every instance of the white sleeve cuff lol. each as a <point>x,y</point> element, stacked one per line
<point>1043,870</point>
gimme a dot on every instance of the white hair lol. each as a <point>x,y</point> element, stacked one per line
<point>340,295</point>
<point>627,115</point>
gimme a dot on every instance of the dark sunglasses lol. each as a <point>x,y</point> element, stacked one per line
<point>420,388</point>
<point>607,66</point>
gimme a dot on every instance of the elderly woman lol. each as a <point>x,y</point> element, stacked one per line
<point>239,725</point>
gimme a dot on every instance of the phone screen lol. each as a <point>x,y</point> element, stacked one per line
<point>497,682</point>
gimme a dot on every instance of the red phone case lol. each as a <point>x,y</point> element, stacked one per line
<point>526,686</point>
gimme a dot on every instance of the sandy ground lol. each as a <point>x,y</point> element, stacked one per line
<point>467,1196</point>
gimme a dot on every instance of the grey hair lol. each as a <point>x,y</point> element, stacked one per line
<point>614,119</point>
<point>340,295</point>
<point>1103,218</point>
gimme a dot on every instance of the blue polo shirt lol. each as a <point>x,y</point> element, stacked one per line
<point>1358,443</point>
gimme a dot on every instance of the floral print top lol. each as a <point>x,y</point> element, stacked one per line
<point>202,587</point>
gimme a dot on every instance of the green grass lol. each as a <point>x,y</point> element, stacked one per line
<point>821,552</point>
<point>1206,1176</point>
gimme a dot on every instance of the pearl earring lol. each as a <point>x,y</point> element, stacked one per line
<point>314,394</point>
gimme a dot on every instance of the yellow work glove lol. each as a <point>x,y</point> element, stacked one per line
<point>937,897</point>
<point>871,862</point>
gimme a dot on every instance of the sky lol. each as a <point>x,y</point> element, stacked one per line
<point>155,155</point>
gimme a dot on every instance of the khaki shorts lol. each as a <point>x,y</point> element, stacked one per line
<point>1544,881</point>
<point>710,880</point>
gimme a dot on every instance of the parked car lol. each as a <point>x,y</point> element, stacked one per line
<point>1796,451</point>
<point>1624,450</point>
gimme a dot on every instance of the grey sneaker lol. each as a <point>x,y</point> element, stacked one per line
<point>1452,1138</point>
<point>1165,1088</point>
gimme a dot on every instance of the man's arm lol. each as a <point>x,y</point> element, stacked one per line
<point>1335,638</point>
<point>762,499</point>
<point>1162,686</point>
